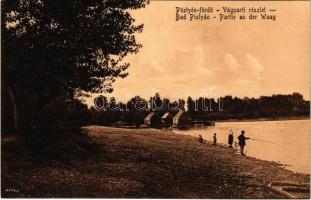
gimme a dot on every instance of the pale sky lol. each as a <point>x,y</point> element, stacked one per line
<point>238,58</point>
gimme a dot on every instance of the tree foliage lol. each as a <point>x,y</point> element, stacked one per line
<point>54,50</point>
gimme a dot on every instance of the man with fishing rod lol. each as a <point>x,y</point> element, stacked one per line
<point>242,141</point>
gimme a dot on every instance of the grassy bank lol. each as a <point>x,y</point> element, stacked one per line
<point>143,163</point>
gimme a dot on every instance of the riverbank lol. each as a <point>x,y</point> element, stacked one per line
<point>144,163</point>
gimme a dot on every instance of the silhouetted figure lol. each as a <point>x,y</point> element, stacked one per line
<point>230,139</point>
<point>214,139</point>
<point>201,140</point>
<point>242,141</point>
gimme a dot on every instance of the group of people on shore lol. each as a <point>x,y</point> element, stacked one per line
<point>242,140</point>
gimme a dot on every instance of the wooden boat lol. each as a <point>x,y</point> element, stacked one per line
<point>291,190</point>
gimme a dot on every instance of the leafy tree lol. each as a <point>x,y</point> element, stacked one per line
<point>156,103</point>
<point>190,105</point>
<point>166,103</point>
<point>181,104</point>
<point>137,110</point>
<point>54,51</point>
<point>137,104</point>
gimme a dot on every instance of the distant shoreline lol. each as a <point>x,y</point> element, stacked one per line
<point>218,121</point>
<point>264,119</point>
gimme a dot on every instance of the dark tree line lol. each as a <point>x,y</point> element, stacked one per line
<point>275,106</point>
<point>228,107</point>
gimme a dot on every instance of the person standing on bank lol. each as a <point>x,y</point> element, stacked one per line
<point>214,139</point>
<point>242,141</point>
<point>230,138</point>
<point>201,140</point>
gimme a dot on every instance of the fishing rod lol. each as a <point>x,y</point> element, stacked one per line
<point>261,140</point>
<point>266,142</point>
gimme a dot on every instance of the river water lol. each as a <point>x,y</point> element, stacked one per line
<point>287,141</point>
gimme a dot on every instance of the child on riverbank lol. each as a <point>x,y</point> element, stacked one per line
<point>230,138</point>
<point>214,139</point>
<point>201,140</point>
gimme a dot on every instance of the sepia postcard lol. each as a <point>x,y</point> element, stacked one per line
<point>182,99</point>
